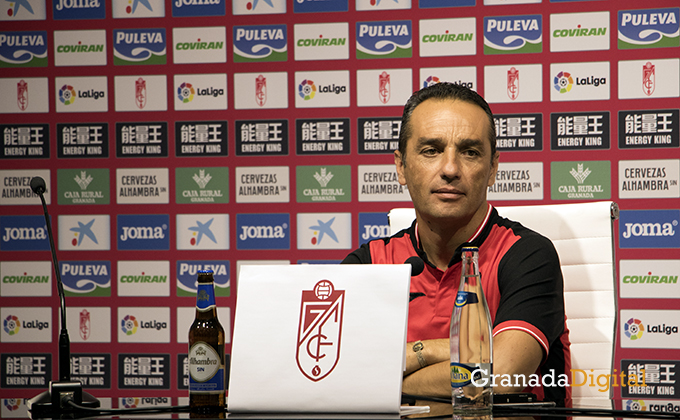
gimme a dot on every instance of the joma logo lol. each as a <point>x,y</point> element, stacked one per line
<point>24,234</point>
<point>262,232</point>
<point>147,232</point>
<point>648,229</point>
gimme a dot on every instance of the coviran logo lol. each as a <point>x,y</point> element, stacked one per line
<point>447,37</point>
<point>80,48</point>
<point>185,92</point>
<point>633,329</point>
<point>199,45</point>
<point>321,42</point>
<point>11,325</point>
<point>650,279</point>
<point>578,32</point>
<point>144,278</point>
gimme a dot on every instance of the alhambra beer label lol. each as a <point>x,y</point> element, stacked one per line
<point>320,330</point>
<point>205,369</point>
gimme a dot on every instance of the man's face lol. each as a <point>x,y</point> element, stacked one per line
<point>448,164</point>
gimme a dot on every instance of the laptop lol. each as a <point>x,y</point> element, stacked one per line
<point>319,339</point>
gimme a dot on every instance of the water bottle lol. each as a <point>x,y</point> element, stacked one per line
<point>470,339</point>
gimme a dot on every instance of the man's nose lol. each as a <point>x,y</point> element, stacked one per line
<point>450,164</point>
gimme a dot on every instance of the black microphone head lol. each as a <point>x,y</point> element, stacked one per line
<point>417,265</point>
<point>38,185</point>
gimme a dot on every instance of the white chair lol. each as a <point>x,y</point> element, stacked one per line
<point>583,236</point>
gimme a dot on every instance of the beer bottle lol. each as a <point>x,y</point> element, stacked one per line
<point>470,339</point>
<point>206,351</point>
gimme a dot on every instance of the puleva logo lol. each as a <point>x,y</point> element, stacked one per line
<point>321,317</point>
<point>11,325</point>
<point>649,28</point>
<point>260,43</point>
<point>307,89</point>
<point>23,49</point>
<point>23,233</point>
<point>513,34</point>
<point>67,94</point>
<point>563,82</point>
<point>263,231</point>
<point>388,39</point>
<point>86,278</point>
<point>186,92</point>
<point>188,270</point>
<point>129,325</point>
<point>633,329</point>
<point>139,46</point>
<point>187,8</point>
<point>143,231</point>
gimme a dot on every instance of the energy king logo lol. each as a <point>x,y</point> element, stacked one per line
<point>143,232</point>
<point>633,329</point>
<point>187,275</point>
<point>263,231</point>
<point>260,43</point>
<point>189,8</point>
<point>386,39</point>
<point>23,49</point>
<point>649,229</point>
<point>139,46</point>
<point>513,34</point>
<point>649,28</point>
<point>86,278</point>
<point>23,233</point>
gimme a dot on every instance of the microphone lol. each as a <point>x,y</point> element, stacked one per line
<point>417,265</point>
<point>56,401</point>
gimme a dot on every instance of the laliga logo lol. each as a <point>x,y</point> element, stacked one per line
<point>648,78</point>
<point>11,325</point>
<point>185,92</point>
<point>307,89</point>
<point>633,329</point>
<point>636,405</point>
<point>320,330</point>
<point>22,95</point>
<point>129,325</point>
<point>431,80</point>
<point>12,404</point>
<point>130,402</point>
<point>563,82</point>
<point>67,95</point>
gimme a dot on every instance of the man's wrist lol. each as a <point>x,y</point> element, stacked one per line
<point>418,347</point>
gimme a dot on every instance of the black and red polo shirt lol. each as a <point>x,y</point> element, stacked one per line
<point>522,284</point>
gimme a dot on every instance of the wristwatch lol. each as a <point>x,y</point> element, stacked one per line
<point>417,348</point>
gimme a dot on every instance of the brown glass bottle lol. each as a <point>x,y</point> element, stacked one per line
<point>206,351</point>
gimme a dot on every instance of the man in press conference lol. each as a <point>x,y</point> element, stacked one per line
<point>447,158</point>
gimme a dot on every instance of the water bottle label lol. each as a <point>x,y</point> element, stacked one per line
<point>461,375</point>
<point>463,298</point>
<point>206,373</point>
<point>205,297</point>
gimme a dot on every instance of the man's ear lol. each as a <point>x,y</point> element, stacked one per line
<point>399,163</point>
<point>494,169</point>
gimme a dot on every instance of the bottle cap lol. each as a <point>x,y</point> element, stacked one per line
<point>205,272</point>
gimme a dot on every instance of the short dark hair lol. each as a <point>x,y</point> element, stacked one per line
<point>442,91</point>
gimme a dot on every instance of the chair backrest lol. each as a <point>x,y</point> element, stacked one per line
<point>583,236</point>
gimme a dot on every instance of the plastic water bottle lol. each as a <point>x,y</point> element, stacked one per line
<point>470,339</point>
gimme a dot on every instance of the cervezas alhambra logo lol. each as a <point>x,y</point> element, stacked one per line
<point>320,330</point>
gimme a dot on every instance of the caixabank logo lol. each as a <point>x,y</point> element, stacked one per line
<point>84,232</point>
<point>649,229</point>
<point>649,28</point>
<point>78,9</point>
<point>81,94</point>
<point>23,49</point>
<point>144,325</point>
<point>138,9</point>
<point>316,6</point>
<point>367,5</point>
<point>23,233</point>
<point>258,7</point>
<point>86,278</point>
<point>260,43</point>
<point>263,231</point>
<point>80,48</point>
<point>23,10</point>
<point>143,232</point>
<point>579,81</point>
<point>513,34</point>
<point>189,8</point>
<point>202,231</point>
<point>324,230</point>
<point>139,46</point>
<point>385,39</point>
<point>187,275</point>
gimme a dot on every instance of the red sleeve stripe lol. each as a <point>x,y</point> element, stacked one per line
<point>481,226</point>
<point>527,328</point>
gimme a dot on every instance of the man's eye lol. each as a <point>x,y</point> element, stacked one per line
<point>429,151</point>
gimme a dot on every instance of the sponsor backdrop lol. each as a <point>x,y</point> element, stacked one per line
<point>189,134</point>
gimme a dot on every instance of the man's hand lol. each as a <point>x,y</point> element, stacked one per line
<point>424,353</point>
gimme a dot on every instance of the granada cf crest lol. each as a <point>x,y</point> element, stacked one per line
<point>648,78</point>
<point>513,83</point>
<point>320,330</point>
<point>84,324</point>
<point>261,90</point>
<point>140,93</point>
<point>384,87</point>
<point>22,95</point>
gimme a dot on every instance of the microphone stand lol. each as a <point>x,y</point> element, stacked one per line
<point>56,402</point>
